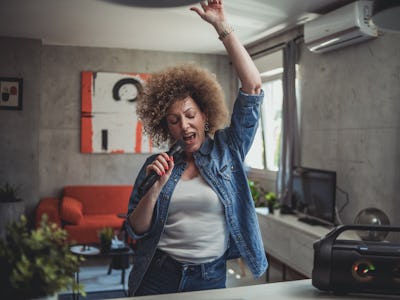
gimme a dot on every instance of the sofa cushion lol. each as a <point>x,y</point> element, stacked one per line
<point>88,230</point>
<point>101,199</point>
<point>50,207</point>
<point>71,210</point>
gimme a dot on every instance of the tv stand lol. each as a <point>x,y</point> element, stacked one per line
<point>312,221</point>
<point>290,241</point>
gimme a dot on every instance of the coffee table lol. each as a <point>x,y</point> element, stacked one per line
<point>119,258</point>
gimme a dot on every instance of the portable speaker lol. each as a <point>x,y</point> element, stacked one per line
<point>354,266</point>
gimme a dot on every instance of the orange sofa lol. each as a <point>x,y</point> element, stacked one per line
<point>83,210</point>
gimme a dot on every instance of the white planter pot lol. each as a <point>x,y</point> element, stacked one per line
<point>54,297</point>
<point>9,212</point>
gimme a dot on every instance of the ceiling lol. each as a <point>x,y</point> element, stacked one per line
<point>117,24</point>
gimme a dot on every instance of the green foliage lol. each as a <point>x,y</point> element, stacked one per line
<point>261,197</point>
<point>37,263</point>
<point>272,200</point>
<point>255,192</point>
<point>106,235</point>
<point>9,193</point>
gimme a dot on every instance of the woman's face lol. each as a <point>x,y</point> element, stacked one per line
<point>186,121</point>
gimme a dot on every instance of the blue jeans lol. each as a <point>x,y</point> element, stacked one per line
<point>166,275</point>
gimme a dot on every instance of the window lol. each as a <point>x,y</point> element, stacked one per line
<point>264,153</point>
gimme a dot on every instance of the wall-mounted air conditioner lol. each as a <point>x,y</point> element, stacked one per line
<point>345,26</point>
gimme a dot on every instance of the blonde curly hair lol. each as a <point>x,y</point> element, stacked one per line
<point>176,83</point>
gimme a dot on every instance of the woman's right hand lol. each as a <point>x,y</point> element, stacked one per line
<point>162,166</point>
<point>140,218</point>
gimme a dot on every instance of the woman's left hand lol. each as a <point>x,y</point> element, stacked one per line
<point>213,11</point>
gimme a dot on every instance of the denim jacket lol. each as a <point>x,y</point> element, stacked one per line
<point>220,162</point>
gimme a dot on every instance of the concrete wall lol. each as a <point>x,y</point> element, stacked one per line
<point>350,117</point>
<point>19,130</point>
<point>350,121</point>
<point>42,142</point>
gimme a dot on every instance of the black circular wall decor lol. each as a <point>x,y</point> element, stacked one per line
<point>120,84</point>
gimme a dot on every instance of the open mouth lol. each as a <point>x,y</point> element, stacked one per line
<point>189,137</point>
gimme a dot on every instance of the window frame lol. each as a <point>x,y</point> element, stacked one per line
<point>261,175</point>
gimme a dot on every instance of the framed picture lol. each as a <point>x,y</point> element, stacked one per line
<point>109,123</point>
<point>11,93</point>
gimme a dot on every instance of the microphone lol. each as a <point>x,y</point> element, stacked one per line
<point>150,179</point>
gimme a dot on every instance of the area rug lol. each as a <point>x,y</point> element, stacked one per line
<point>95,295</point>
<point>97,282</point>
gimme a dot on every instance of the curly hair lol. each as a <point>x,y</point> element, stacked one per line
<point>176,83</point>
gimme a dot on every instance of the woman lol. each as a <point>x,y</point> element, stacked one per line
<point>199,213</point>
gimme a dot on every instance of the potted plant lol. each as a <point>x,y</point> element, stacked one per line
<point>37,263</point>
<point>272,201</point>
<point>11,206</point>
<point>9,193</point>
<point>106,235</point>
<point>255,192</point>
<point>262,198</point>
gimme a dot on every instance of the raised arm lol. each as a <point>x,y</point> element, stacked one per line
<point>212,11</point>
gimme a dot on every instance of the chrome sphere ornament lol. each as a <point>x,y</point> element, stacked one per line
<point>372,216</point>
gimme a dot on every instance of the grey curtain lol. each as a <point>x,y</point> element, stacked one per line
<point>290,148</point>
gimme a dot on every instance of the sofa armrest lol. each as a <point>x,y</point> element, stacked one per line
<point>49,206</point>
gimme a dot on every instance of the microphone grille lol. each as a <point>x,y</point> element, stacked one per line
<point>180,144</point>
<point>177,147</point>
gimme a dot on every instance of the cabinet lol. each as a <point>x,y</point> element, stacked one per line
<point>291,241</point>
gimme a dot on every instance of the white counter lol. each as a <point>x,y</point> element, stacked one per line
<point>296,290</point>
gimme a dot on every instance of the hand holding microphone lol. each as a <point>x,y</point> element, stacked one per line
<point>160,166</point>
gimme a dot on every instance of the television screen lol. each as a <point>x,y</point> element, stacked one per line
<point>313,195</point>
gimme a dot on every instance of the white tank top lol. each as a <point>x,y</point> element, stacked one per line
<point>195,230</point>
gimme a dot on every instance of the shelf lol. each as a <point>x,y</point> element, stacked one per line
<point>290,241</point>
